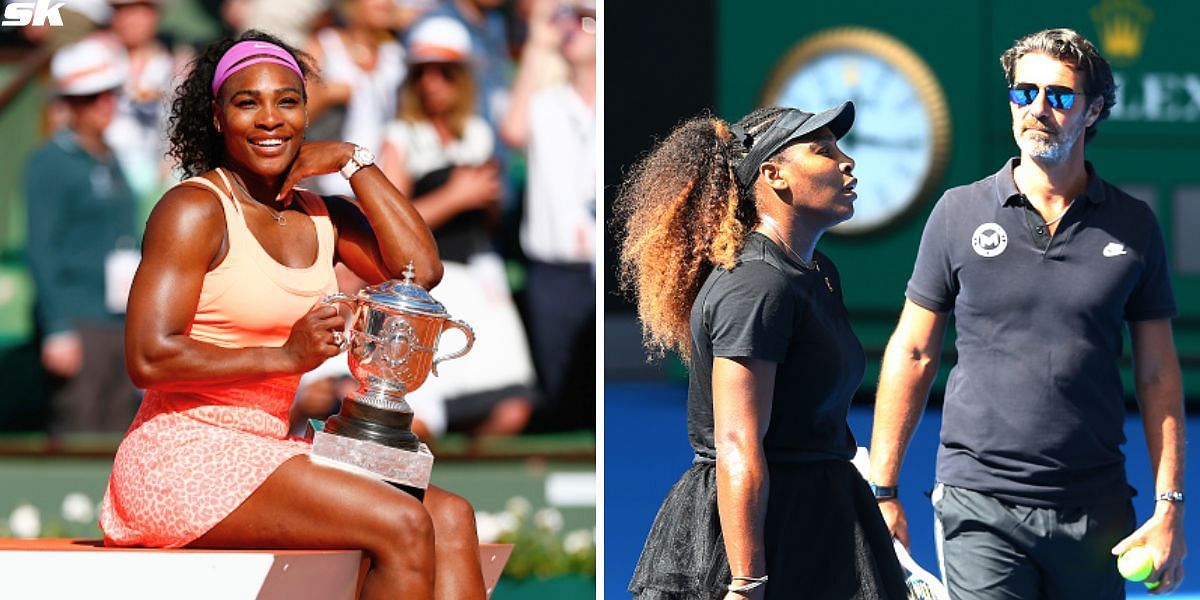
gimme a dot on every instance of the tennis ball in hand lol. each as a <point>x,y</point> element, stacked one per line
<point>1136,564</point>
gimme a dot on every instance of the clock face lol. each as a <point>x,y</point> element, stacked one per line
<point>900,134</point>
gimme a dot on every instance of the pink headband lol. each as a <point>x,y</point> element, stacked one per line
<point>234,60</point>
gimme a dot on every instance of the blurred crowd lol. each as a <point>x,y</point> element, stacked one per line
<point>481,111</point>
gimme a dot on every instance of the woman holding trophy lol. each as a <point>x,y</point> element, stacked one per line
<point>224,316</point>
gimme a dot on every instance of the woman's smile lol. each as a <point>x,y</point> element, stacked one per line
<point>263,119</point>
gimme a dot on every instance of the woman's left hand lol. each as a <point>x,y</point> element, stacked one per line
<point>315,158</point>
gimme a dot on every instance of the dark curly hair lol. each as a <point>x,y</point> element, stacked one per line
<point>1069,47</point>
<point>683,213</point>
<point>195,143</point>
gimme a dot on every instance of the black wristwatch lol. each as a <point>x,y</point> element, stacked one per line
<point>885,492</point>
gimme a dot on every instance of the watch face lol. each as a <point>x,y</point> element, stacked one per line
<point>363,156</point>
<point>900,133</point>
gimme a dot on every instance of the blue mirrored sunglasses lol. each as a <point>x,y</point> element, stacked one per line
<point>1058,96</point>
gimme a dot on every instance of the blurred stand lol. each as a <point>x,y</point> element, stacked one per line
<point>362,66</point>
<point>555,123</point>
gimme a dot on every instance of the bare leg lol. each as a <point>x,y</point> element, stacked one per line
<point>459,574</point>
<point>305,505</point>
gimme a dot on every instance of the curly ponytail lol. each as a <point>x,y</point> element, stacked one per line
<point>683,214</point>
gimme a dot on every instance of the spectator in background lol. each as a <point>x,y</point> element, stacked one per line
<point>489,52</point>
<point>362,67</point>
<point>81,245</point>
<point>491,65</point>
<point>137,134</point>
<point>439,153</point>
<point>234,15</point>
<point>409,12</point>
<point>292,20</point>
<point>557,126</point>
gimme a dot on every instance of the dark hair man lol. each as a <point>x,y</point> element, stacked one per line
<point>1042,264</point>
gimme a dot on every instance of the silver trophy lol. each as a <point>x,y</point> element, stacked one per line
<point>391,339</point>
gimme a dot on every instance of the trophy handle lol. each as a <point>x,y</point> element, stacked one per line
<point>342,338</point>
<point>467,331</point>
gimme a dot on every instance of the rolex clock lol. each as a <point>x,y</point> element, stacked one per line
<point>901,135</point>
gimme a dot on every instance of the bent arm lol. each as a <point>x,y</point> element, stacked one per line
<point>379,246</point>
<point>742,391</point>
<point>910,363</point>
<point>184,234</point>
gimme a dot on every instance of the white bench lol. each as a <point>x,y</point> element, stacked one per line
<point>72,569</point>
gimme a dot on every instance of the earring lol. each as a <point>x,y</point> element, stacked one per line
<point>217,125</point>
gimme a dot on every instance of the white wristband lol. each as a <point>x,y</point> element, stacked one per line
<point>754,582</point>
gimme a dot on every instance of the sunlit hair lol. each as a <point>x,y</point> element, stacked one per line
<point>413,111</point>
<point>681,213</point>
<point>1068,47</point>
<point>194,142</point>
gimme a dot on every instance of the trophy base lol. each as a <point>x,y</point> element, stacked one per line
<point>405,469</point>
<point>362,421</point>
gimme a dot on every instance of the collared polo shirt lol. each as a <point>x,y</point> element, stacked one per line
<point>1034,407</point>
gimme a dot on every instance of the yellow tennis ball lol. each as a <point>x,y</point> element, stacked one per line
<point>1136,564</point>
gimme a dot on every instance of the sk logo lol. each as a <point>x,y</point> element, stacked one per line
<point>989,240</point>
<point>1114,249</point>
<point>37,14</point>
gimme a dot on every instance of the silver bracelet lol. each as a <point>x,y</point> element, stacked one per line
<point>1170,496</point>
<point>754,582</point>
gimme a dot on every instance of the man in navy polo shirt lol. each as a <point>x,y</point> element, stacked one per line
<point>1042,264</point>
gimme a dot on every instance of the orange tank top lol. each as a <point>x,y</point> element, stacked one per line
<point>250,299</point>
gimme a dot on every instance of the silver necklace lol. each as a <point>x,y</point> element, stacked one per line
<point>1060,215</point>
<point>811,266</point>
<point>279,218</point>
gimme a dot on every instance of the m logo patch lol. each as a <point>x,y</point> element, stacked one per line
<point>989,240</point>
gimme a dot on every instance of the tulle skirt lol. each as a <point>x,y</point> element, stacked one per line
<point>824,539</point>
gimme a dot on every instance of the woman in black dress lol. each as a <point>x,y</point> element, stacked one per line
<point>721,226</point>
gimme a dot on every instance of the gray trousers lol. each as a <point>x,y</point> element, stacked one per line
<point>100,398</point>
<point>995,550</point>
